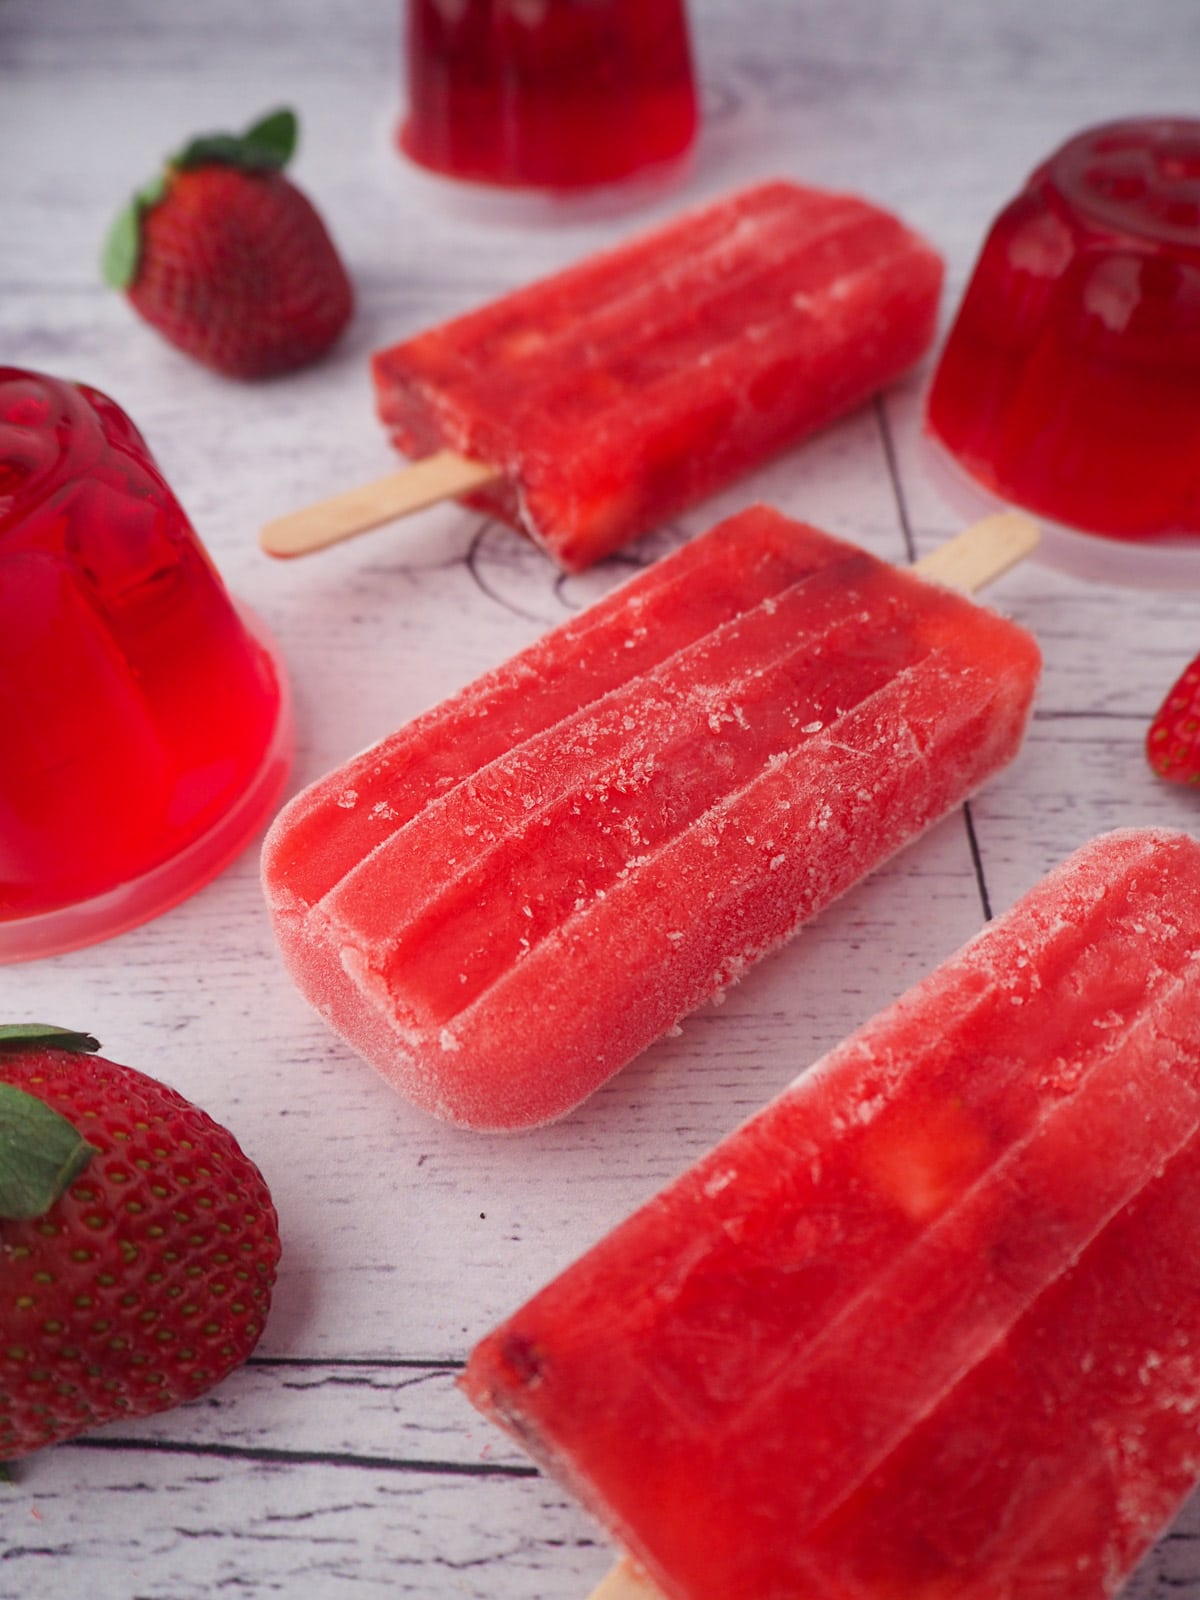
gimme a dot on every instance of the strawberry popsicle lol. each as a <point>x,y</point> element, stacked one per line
<point>609,397</point>
<point>504,902</point>
<point>928,1324</point>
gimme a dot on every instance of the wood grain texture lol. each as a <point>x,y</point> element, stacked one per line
<point>341,1462</point>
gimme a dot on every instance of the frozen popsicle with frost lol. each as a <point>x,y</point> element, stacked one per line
<point>594,405</point>
<point>929,1324</point>
<point>511,897</point>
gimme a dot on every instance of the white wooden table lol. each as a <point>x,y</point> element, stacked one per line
<point>340,1461</point>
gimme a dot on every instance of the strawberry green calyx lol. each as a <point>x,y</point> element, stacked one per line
<point>41,1155</point>
<point>41,1152</point>
<point>35,1035</point>
<point>123,247</point>
<point>266,146</point>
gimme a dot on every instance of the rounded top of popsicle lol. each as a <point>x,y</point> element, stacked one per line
<point>1139,177</point>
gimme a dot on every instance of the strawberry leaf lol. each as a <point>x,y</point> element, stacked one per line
<point>275,136</point>
<point>266,146</point>
<point>123,247</point>
<point>41,1155</point>
<point>31,1035</point>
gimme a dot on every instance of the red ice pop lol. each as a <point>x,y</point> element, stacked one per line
<point>593,406</point>
<point>504,902</point>
<point>928,1324</point>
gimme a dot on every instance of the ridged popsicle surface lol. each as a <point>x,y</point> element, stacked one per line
<point>505,901</point>
<point>616,393</point>
<point>930,1323</point>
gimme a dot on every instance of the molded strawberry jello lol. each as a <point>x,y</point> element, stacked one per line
<point>1070,382</point>
<point>559,96</point>
<point>144,719</point>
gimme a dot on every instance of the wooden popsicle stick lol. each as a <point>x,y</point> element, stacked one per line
<point>981,553</point>
<point>626,1582</point>
<point>424,483</point>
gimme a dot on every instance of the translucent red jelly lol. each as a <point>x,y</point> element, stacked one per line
<point>557,94</point>
<point>144,727</point>
<point>1070,382</point>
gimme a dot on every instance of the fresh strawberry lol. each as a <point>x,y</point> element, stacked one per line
<point>138,1244</point>
<point>1173,743</point>
<point>228,260</point>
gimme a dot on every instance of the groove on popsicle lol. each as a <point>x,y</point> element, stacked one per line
<point>740,242</point>
<point>1094,1113</point>
<point>704,963</point>
<point>1144,1259</point>
<point>798,663</point>
<point>736,319</point>
<point>771,295</point>
<point>529,1045</point>
<point>455,921</point>
<point>1168,1103</point>
<point>671,603</point>
<point>784,308</point>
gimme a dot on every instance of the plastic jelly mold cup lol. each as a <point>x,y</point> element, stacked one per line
<point>1070,382</point>
<point>145,726</point>
<point>553,94</point>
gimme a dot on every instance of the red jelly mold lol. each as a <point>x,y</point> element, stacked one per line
<point>145,721</point>
<point>1070,382</point>
<point>561,96</point>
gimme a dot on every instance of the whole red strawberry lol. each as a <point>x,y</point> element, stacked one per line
<point>138,1244</point>
<point>1173,743</point>
<point>228,260</point>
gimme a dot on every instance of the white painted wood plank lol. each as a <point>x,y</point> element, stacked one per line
<point>192,1527</point>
